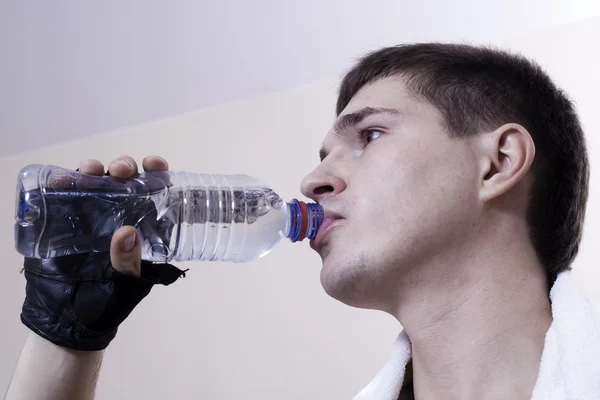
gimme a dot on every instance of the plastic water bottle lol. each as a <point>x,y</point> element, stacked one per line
<point>180,216</point>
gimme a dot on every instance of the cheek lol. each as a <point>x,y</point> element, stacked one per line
<point>379,189</point>
<point>400,189</point>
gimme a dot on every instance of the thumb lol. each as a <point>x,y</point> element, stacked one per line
<point>126,251</point>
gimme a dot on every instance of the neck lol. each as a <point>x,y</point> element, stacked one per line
<point>478,332</point>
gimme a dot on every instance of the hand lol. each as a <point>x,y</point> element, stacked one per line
<point>125,248</point>
<point>78,301</point>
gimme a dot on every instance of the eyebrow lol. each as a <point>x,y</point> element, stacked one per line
<point>348,120</point>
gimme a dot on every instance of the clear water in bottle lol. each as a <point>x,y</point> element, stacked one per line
<point>180,216</point>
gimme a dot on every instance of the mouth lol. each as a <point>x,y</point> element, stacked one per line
<point>330,222</point>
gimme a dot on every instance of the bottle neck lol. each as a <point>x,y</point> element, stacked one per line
<point>304,220</point>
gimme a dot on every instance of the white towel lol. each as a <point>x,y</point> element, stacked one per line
<point>570,364</point>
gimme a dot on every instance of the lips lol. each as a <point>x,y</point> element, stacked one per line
<point>330,221</point>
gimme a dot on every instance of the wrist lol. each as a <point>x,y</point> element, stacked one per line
<point>51,372</point>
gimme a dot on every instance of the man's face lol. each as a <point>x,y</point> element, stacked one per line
<point>404,193</point>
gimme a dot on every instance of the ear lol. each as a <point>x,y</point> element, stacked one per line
<point>506,156</point>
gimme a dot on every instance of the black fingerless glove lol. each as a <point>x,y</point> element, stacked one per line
<point>78,301</point>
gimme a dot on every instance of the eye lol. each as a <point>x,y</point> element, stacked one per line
<point>368,135</point>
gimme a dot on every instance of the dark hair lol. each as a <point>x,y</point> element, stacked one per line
<point>480,88</point>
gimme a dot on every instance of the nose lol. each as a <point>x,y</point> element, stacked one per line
<point>320,184</point>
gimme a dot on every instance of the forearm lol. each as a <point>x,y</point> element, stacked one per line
<point>46,371</point>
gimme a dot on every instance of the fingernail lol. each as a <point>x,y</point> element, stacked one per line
<point>129,243</point>
<point>124,163</point>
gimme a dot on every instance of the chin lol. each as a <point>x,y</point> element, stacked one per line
<point>349,282</point>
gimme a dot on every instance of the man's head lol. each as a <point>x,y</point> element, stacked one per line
<point>439,150</point>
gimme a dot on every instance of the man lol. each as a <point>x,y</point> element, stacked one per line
<point>455,179</point>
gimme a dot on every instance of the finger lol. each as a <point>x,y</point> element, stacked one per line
<point>159,167</point>
<point>123,167</point>
<point>155,163</point>
<point>91,167</point>
<point>126,251</point>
